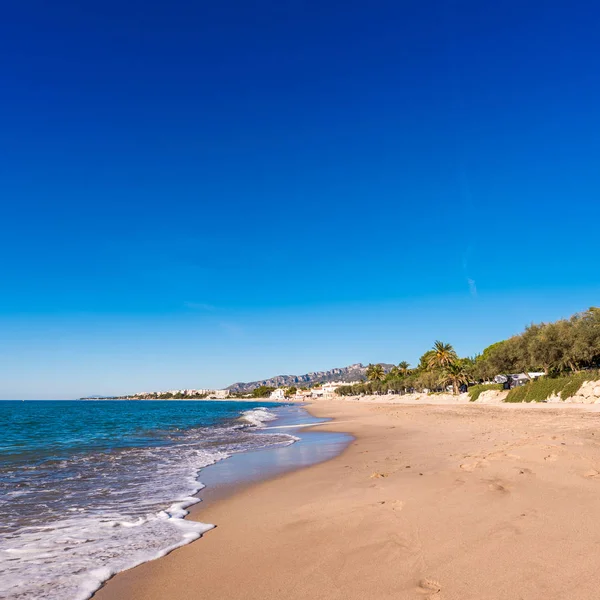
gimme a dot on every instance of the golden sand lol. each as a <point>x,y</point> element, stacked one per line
<point>429,502</point>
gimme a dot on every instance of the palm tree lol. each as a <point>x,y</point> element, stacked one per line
<point>454,374</point>
<point>403,368</point>
<point>443,355</point>
<point>394,373</point>
<point>375,372</point>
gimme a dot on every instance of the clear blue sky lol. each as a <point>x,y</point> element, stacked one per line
<point>196,193</point>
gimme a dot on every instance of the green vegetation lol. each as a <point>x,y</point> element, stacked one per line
<point>442,356</point>
<point>264,391</point>
<point>375,373</point>
<point>568,345</point>
<point>179,396</point>
<point>403,368</point>
<point>438,368</point>
<point>541,389</point>
<point>455,374</point>
<point>476,390</point>
<point>564,351</point>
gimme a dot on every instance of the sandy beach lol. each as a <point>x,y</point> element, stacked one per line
<point>444,502</point>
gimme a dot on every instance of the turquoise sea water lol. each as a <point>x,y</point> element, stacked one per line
<point>89,488</point>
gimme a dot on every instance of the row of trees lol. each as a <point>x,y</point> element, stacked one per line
<point>568,345</point>
<point>565,346</point>
<point>438,369</point>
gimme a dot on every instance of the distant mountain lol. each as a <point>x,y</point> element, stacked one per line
<point>355,372</point>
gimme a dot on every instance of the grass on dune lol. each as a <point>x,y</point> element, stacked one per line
<point>544,387</point>
<point>476,390</point>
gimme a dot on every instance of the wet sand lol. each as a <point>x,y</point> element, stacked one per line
<point>439,502</point>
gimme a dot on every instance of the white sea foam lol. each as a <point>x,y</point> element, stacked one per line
<point>258,416</point>
<point>126,508</point>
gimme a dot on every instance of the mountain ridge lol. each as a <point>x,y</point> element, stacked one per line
<point>355,372</point>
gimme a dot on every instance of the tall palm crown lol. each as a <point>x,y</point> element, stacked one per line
<point>403,367</point>
<point>454,374</point>
<point>443,355</point>
<point>375,372</point>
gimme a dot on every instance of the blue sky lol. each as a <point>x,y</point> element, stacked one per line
<point>195,193</point>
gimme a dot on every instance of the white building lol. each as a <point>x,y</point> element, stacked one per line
<point>219,394</point>
<point>302,395</point>
<point>328,389</point>
<point>278,394</point>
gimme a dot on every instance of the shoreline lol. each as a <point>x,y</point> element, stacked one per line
<point>119,495</point>
<point>436,501</point>
<point>240,471</point>
<point>314,444</point>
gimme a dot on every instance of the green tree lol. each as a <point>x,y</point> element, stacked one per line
<point>263,391</point>
<point>443,355</point>
<point>426,380</point>
<point>291,391</point>
<point>586,338</point>
<point>482,369</point>
<point>403,367</point>
<point>454,374</point>
<point>425,359</point>
<point>375,372</point>
<point>502,357</point>
<point>394,373</point>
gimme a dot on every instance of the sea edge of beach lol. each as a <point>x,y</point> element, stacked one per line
<point>232,545</point>
<point>215,491</point>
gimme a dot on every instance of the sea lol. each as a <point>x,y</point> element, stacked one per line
<point>91,488</point>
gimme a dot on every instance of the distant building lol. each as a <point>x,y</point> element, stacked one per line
<point>302,395</point>
<point>218,394</point>
<point>324,391</point>
<point>329,389</point>
<point>278,394</point>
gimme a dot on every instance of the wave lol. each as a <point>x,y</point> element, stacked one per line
<point>258,416</point>
<point>117,509</point>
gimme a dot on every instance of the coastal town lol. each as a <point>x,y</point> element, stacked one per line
<point>317,391</point>
<point>327,391</point>
<point>184,394</point>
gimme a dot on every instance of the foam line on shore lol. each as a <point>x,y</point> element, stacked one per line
<point>296,426</point>
<point>133,510</point>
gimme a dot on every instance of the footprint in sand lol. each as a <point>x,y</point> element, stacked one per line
<point>525,471</point>
<point>497,486</point>
<point>469,467</point>
<point>591,473</point>
<point>431,587</point>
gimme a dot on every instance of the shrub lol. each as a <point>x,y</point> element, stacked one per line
<point>574,382</point>
<point>544,387</point>
<point>476,390</point>
<point>518,394</point>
